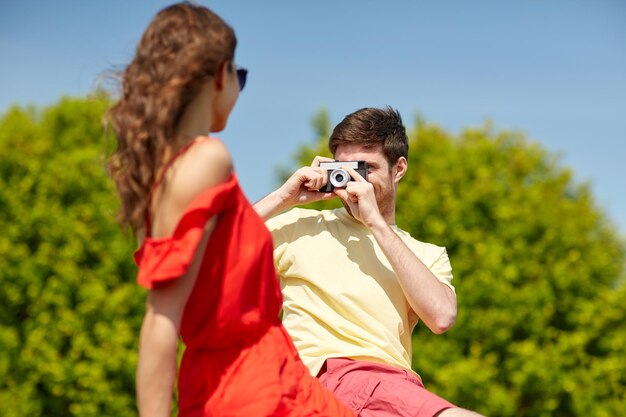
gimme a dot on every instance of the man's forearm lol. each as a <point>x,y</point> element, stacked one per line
<point>433,301</point>
<point>270,205</point>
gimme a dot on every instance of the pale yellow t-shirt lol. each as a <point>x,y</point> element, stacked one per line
<point>341,296</point>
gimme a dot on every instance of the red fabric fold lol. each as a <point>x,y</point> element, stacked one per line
<point>164,259</point>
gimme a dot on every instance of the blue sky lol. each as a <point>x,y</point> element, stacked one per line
<point>554,69</point>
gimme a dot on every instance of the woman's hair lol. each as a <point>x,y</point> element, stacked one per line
<point>183,46</point>
<point>373,127</point>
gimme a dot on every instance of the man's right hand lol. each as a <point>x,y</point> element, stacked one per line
<point>301,188</point>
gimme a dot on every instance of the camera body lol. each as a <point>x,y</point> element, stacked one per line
<point>339,177</point>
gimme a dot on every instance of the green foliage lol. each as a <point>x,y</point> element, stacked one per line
<point>70,311</point>
<point>539,273</point>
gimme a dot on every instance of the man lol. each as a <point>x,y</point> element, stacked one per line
<point>355,284</point>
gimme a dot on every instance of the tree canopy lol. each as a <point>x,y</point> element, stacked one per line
<point>70,310</point>
<point>539,272</point>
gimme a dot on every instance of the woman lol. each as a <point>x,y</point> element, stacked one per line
<point>205,255</point>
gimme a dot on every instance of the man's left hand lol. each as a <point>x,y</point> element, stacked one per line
<point>360,198</point>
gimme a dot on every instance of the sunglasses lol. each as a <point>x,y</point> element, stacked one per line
<point>242,75</point>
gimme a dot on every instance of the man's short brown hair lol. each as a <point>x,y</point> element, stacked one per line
<point>373,127</point>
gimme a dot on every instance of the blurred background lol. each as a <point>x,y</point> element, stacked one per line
<point>516,117</point>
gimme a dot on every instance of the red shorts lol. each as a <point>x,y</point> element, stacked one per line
<point>373,389</point>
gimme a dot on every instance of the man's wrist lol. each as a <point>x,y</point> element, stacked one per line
<point>281,200</point>
<point>377,225</point>
<point>270,205</point>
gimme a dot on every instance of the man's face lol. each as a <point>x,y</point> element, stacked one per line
<point>379,173</point>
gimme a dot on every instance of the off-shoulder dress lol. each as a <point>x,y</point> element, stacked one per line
<point>238,358</point>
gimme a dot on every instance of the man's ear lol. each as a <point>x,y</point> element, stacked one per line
<point>220,75</point>
<point>400,169</point>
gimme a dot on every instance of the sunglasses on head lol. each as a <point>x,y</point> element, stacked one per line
<point>242,75</point>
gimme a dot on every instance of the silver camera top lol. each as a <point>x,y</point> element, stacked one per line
<point>339,164</point>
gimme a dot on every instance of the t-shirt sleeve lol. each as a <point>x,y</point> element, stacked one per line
<point>441,268</point>
<point>162,260</point>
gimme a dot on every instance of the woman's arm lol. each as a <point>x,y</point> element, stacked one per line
<point>156,370</point>
<point>204,165</point>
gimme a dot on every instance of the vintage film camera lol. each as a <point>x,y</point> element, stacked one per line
<point>338,177</point>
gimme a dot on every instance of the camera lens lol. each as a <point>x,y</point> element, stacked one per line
<point>339,178</point>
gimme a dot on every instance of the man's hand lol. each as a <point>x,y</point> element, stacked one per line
<point>360,198</point>
<point>301,188</point>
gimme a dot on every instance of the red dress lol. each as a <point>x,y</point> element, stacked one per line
<point>239,360</point>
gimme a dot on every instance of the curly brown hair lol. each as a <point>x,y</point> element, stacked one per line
<point>183,46</point>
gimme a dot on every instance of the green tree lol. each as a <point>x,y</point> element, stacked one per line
<point>539,273</point>
<point>70,311</point>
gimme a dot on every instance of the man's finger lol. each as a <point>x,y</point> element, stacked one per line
<point>342,193</point>
<point>355,175</point>
<point>318,159</point>
<point>312,178</point>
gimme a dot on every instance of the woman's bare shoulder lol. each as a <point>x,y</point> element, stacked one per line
<point>205,164</point>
